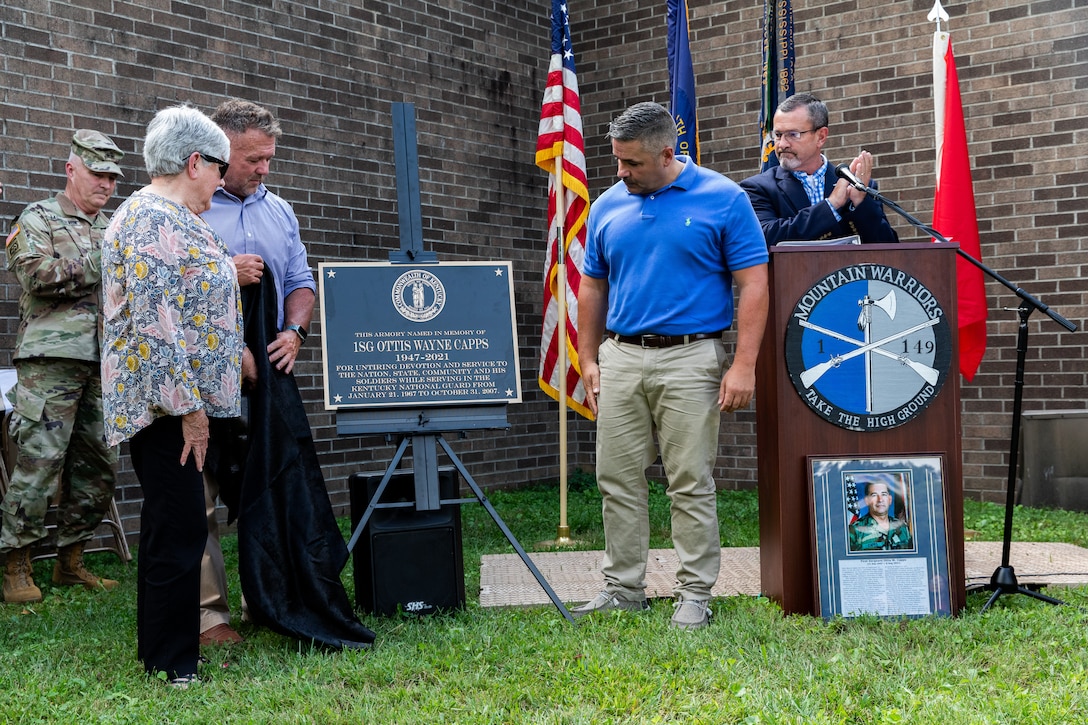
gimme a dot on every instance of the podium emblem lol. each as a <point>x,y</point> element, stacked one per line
<point>868,347</point>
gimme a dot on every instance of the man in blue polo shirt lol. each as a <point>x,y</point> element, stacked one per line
<point>665,246</point>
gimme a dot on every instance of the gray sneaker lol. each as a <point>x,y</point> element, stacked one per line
<point>605,602</point>
<point>691,614</point>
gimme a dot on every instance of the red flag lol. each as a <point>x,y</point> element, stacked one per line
<point>954,213</point>
<point>560,138</point>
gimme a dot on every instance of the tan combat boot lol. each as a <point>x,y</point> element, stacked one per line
<point>69,571</point>
<point>19,584</point>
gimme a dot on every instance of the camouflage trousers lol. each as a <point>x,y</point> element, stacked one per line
<point>57,427</point>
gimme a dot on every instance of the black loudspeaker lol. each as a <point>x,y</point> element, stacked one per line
<point>407,560</point>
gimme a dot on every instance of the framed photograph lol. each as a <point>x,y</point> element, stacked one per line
<point>880,535</point>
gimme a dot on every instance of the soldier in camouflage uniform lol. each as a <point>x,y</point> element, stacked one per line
<point>54,249</point>
<point>878,530</point>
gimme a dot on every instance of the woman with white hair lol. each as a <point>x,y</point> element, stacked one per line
<point>171,359</point>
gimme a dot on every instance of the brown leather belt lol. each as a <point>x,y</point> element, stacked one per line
<point>663,340</point>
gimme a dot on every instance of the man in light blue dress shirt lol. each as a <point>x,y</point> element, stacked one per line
<point>261,232</point>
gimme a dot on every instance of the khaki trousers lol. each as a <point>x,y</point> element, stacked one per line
<point>674,391</point>
<point>214,607</point>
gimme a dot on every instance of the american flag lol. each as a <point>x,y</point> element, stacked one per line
<point>560,137</point>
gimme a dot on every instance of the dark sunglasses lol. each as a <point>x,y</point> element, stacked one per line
<point>223,165</point>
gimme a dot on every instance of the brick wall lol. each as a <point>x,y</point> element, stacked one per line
<point>475,72</point>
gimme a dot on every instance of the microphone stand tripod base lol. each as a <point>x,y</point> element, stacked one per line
<point>1003,581</point>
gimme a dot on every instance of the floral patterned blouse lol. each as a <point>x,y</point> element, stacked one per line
<point>172,339</point>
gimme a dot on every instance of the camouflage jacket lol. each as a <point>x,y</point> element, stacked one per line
<point>866,535</point>
<point>55,251</point>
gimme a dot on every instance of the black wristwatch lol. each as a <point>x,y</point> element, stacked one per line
<point>298,330</point>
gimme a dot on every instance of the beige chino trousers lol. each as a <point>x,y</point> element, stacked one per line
<point>673,391</point>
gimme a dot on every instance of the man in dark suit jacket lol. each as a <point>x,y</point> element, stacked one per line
<point>801,199</point>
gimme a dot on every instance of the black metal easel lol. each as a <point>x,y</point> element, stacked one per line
<point>1003,580</point>
<point>422,428</point>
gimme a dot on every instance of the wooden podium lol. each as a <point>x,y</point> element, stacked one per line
<point>789,429</point>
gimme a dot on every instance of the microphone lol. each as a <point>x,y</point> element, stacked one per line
<point>843,172</point>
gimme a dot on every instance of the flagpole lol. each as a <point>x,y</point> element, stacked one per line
<point>562,536</point>
<point>560,152</point>
<point>940,45</point>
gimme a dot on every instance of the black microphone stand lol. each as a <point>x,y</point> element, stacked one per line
<point>1003,580</point>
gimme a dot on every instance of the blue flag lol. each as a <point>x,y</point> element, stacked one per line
<point>778,65</point>
<point>682,81</point>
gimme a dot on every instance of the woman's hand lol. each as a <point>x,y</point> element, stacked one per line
<point>194,429</point>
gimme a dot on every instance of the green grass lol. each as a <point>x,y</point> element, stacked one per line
<point>72,658</point>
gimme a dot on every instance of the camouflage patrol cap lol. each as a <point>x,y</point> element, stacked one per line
<point>99,153</point>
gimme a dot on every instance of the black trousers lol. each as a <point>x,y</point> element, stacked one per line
<point>173,531</point>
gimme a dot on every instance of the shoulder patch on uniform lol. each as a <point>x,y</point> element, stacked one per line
<point>14,241</point>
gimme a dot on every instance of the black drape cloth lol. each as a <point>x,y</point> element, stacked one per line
<point>290,550</point>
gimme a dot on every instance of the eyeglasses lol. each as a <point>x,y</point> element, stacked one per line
<point>792,135</point>
<point>223,165</point>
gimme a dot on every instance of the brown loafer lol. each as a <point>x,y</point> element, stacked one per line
<point>220,634</point>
